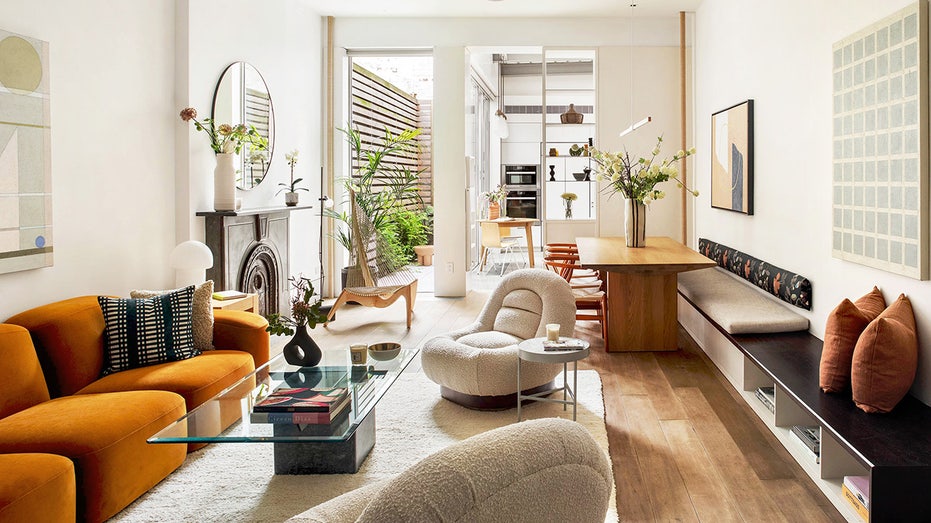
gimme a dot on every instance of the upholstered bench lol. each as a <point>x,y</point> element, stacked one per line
<point>735,305</point>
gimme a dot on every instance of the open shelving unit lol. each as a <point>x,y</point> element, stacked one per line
<point>568,78</point>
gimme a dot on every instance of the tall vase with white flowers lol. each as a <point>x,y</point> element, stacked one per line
<point>637,180</point>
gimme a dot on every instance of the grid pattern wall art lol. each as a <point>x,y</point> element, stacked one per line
<point>880,140</point>
<point>25,151</point>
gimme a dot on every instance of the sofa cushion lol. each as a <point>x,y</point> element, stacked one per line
<point>520,314</point>
<point>105,436</point>
<point>195,379</point>
<point>22,384</point>
<point>37,487</point>
<point>844,326</point>
<point>885,359</point>
<point>68,337</point>
<point>142,332</point>
<point>735,306</point>
<point>202,312</point>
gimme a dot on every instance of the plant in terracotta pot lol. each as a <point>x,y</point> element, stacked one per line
<point>636,180</point>
<point>495,198</point>
<point>290,189</point>
<point>305,313</point>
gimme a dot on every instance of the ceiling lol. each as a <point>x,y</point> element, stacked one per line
<point>502,8</point>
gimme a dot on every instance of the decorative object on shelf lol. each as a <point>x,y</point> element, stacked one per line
<point>302,350</point>
<point>495,198</point>
<point>585,151</point>
<point>575,150</point>
<point>571,116</point>
<point>567,199</point>
<point>579,177</point>
<point>553,151</point>
<point>290,189</point>
<point>732,158</point>
<point>552,173</point>
<point>636,181</point>
<point>226,141</point>
<point>588,174</point>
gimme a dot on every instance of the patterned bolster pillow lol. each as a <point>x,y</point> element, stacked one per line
<point>785,285</point>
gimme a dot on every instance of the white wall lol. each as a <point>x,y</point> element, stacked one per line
<point>284,44</point>
<point>437,33</point>
<point>112,147</point>
<point>779,54</point>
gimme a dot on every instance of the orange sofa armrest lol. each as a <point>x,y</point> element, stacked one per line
<point>240,330</point>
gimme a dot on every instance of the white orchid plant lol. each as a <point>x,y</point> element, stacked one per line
<point>637,179</point>
<point>291,158</point>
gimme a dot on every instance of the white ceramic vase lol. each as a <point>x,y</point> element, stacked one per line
<point>635,223</point>
<point>224,183</point>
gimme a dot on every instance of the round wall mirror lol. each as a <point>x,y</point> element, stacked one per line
<point>242,97</point>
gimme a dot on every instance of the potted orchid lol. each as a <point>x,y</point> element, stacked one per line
<point>636,180</point>
<point>290,195</point>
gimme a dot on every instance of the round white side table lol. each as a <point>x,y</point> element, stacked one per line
<point>532,350</point>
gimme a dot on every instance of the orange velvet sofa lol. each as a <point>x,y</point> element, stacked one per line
<point>54,403</point>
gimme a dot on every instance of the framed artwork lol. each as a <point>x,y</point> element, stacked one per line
<point>880,144</point>
<point>732,158</point>
<point>25,152</point>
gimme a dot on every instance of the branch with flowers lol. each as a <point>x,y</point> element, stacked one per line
<point>496,196</point>
<point>305,310</point>
<point>225,138</point>
<point>637,179</point>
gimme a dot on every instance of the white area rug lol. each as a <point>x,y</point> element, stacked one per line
<point>236,482</point>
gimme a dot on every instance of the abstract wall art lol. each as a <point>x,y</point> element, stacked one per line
<point>880,144</point>
<point>25,151</point>
<point>732,158</point>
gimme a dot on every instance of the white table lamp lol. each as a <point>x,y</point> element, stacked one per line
<point>190,260</point>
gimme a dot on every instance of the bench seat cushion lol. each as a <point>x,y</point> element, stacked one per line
<point>736,306</point>
<point>37,487</point>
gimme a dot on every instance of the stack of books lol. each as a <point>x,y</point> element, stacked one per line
<point>767,396</point>
<point>563,344</point>
<point>302,406</point>
<point>857,492</point>
<point>810,438</point>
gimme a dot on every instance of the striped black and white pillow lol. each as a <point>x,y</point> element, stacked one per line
<point>141,332</point>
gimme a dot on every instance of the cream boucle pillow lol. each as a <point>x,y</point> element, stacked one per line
<point>202,313</point>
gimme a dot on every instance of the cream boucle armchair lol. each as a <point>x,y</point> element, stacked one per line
<point>477,366</point>
<point>549,469</point>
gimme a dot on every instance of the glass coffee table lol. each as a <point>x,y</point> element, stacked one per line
<point>336,448</point>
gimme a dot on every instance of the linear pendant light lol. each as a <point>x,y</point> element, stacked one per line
<point>633,126</point>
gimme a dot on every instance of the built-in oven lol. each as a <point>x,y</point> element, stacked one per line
<point>522,203</point>
<point>523,175</point>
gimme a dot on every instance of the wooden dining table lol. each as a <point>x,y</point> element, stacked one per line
<point>507,224</point>
<point>641,288</point>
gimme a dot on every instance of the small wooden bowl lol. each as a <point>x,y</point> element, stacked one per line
<point>384,351</point>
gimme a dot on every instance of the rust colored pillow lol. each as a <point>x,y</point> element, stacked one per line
<point>885,359</point>
<point>844,326</point>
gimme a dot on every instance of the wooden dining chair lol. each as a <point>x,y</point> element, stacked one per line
<point>591,300</point>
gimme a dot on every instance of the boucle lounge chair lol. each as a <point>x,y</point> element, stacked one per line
<point>549,469</point>
<point>477,366</point>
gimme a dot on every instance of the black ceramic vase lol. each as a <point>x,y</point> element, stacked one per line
<point>302,350</point>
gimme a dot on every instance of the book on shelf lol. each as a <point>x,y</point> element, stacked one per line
<point>333,417</point>
<point>862,510</point>
<point>563,344</point>
<point>809,438</point>
<point>859,486</point>
<point>303,399</point>
<point>228,295</point>
<point>767,396</point>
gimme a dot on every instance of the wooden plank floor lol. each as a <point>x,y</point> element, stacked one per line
<point>684,446</point>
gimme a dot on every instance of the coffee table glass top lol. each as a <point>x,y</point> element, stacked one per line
<point>367,384</point>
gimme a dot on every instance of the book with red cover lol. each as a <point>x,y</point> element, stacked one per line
<point>302,400</point>
<point>304,418</point>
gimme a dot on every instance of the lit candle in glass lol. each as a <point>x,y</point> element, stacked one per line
<point>552,332</point>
